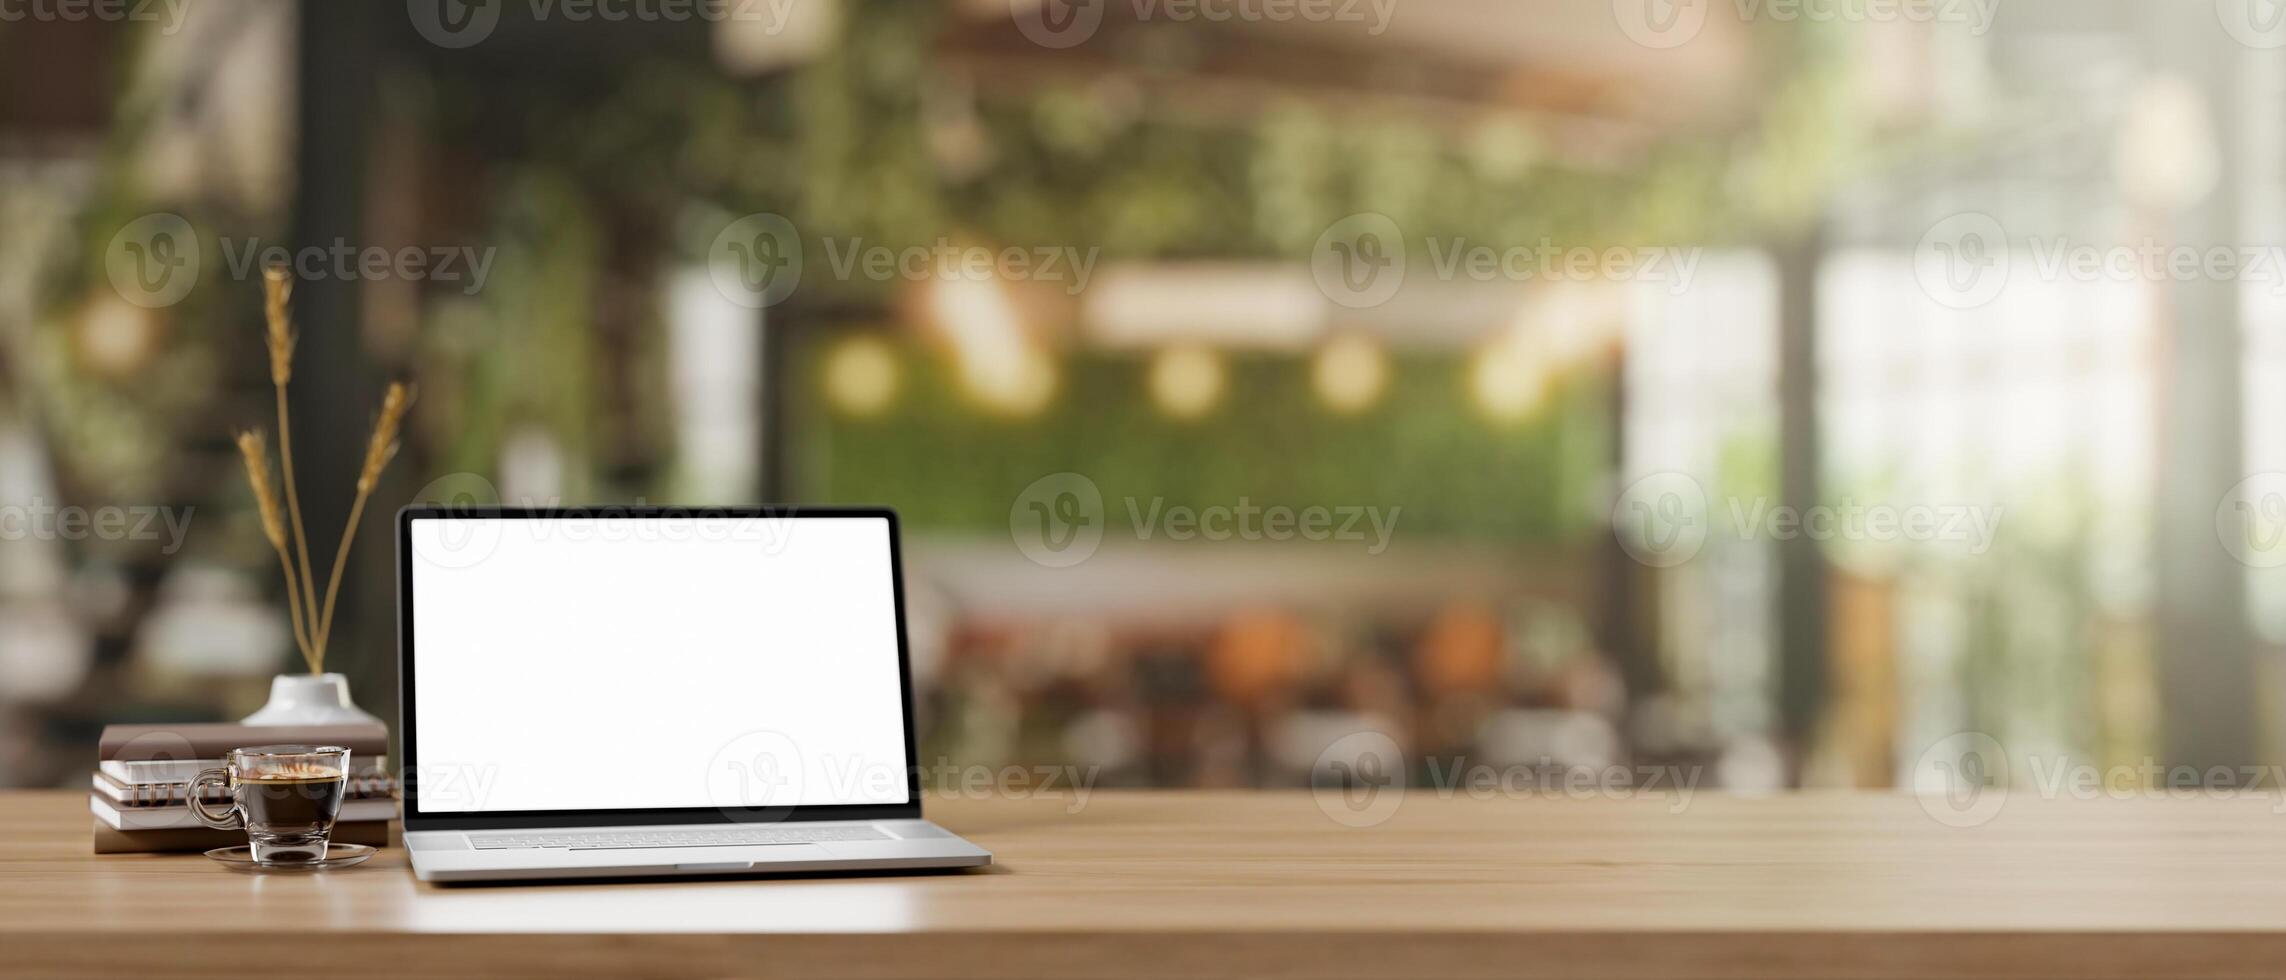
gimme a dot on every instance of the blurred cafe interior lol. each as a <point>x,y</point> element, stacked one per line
<point>1185,498</point>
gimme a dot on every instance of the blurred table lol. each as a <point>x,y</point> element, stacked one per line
<point>1259,884</point>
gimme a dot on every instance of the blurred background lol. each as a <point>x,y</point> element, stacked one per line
<point>1769,388</point>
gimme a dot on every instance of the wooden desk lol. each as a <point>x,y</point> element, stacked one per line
<point>1261,884</point>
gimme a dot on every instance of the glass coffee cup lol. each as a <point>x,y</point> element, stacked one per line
<point>285,796</point>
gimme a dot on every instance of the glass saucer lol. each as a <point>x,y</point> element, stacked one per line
<point>241,858</point>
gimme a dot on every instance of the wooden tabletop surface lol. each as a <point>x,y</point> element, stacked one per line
<point>1261,884</point>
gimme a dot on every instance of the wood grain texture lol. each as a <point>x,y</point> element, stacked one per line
<point>1263,884</point>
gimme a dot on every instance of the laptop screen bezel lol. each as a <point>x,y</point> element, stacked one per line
<point>408,727</point>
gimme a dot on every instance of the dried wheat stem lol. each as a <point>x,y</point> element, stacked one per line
<point>301,538</point>
<point>274,527</point>
<point>278,288</point>
<point>378,452</point>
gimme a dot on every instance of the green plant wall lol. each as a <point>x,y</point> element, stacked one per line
<point>949,467</point>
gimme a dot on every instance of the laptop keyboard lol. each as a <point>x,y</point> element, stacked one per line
<point>738,837</point>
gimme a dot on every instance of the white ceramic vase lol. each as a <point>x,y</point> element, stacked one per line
<point>309,699</point>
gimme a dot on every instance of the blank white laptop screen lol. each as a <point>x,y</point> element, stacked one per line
<point>605,663</point>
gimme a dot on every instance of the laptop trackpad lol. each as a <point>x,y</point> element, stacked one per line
<point>744,856</point>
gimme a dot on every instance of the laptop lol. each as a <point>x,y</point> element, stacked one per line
<point>649,691</point>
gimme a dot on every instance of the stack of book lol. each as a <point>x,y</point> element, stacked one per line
<point>144,772</point>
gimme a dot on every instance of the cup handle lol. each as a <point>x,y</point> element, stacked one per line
<point>230,819</point>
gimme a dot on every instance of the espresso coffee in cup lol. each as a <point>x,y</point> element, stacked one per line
<point>286,796</point>
<point>302,802</point>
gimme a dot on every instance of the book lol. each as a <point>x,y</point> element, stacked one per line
<point>361,786</point>
<point>112,840</point>
<point>180,817</point>
<point>203,741</point>
<point>181,770</point>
